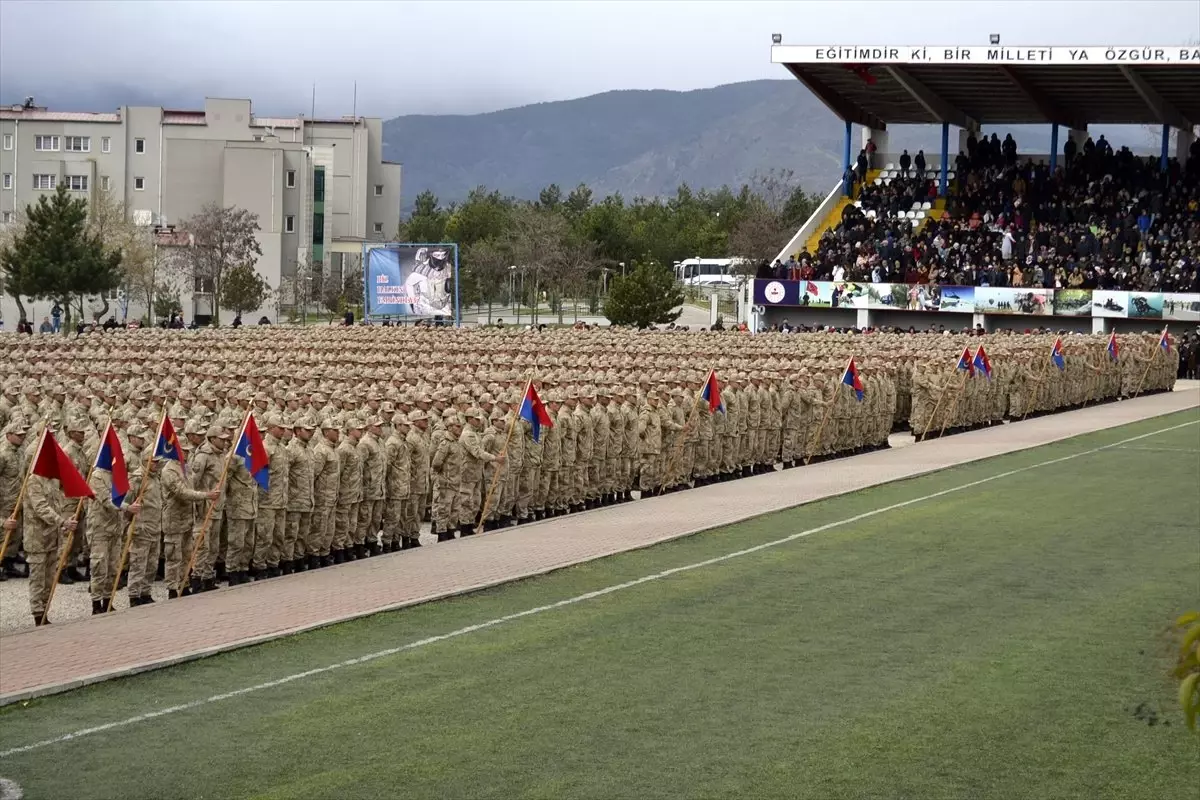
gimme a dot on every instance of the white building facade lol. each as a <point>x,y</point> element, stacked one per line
<point>319,187</point>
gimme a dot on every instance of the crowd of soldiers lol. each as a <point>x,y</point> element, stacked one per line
<point>371,431</point>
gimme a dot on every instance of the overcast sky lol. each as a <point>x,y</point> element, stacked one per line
<point>467,57</point>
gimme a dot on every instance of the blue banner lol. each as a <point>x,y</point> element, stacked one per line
<point>411,280</point>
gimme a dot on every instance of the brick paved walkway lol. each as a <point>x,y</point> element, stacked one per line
<point>64,656</point>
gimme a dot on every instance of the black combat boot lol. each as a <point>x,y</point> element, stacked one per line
<point>65,578</point>
<point>208,584</point>
<point>315,562</point>
<point>339,556</point>
<point>172,594</point>
<point>466,530</point>
<point>413,542</point>
<point>97,607</point>
<point>196,585</point>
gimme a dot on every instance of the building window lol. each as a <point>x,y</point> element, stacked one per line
<point>379,227</point>
<point>139,145</point>
<point>291,179</point>
<point>77,144</point>
<point>289,223</point>
<point>7,217</point>
<point>8,141</point>
<point>379,190</point>
<point>105,144</point>
<point>139,184</point>
<point>77,183</point>
<point>318,228</point>
<point>8,180</point>
<point>105,183</point>
<point>45,143</point>
<point>203,285</point>
<point>319,185</point>
<point>44,183</point>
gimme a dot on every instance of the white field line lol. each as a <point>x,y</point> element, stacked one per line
<point>1162,449</point>
<point>570,601</point>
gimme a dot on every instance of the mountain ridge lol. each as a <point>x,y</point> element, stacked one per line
<point>645,142</point>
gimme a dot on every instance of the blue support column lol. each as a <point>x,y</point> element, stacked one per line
<point>945,159</point>
<point>846,158</point>
<point>1053,147</point>
<point>1166,146</point>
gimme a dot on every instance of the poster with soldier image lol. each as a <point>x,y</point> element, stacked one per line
<point>415,280</point>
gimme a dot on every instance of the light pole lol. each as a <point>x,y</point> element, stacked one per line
<point>512,285</point>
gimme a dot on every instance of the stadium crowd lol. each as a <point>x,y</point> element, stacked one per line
<point>369,431</point>
<point>1101,220</point>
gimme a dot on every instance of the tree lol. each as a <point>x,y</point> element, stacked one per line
<point>484,269</point>
<point>305,285</point>
<point>243,289</point>
<point>224,238</point>
<point>166,302</point>
<point>352,281</point>
<point>107,219</point>
<point>11,283</point>
<point>537,239</point>
<point>427,223</point>
<point>774,208</point>
<point>647,296</point>
<point>55,256</point>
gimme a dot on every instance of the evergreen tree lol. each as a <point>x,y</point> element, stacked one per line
<point>56,256</point>
<point>243,289</point>
<point>647,296</point>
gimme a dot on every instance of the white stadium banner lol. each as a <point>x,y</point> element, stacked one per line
<point>1007,55</point>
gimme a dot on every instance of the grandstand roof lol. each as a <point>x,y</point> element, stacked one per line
<point>874,85</point>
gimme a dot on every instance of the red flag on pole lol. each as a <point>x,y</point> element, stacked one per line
<point>56,465</point>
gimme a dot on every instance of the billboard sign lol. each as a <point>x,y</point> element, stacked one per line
<point>1010,55</point>
<point>978,299</point>
<point>411,280</point>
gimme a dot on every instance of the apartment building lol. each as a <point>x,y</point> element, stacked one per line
<point>320,187</point>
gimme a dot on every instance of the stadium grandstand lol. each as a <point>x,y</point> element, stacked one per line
<point>1071,234</point>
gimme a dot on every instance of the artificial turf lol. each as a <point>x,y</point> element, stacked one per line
<point>991,642</point>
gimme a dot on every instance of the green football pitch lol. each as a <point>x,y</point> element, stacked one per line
<point>997,630</point>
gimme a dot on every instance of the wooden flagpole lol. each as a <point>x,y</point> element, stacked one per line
<point>21,493</point>
<point>954,408</point>
<point>933,416</point>
<point>133,522</point>
<point>212,505</point>
<point>683,433</point>
<point>65,551</point>
<point>816,440</point>
<point>1037,390</point>
<point>1149,363</point>
<point>512,424</point>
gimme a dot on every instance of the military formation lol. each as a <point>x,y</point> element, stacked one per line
<point>369,432</point>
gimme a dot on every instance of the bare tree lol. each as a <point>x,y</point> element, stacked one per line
<point>223,239</point>
<point>537,245</point>
<point>107,218</point>
<point>485,265</point>
<point>774,207</point>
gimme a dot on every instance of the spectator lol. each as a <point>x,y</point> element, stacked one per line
<point>46,327</point>
<point>919,162</point>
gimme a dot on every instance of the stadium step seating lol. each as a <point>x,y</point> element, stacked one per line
<point>834,216</point>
